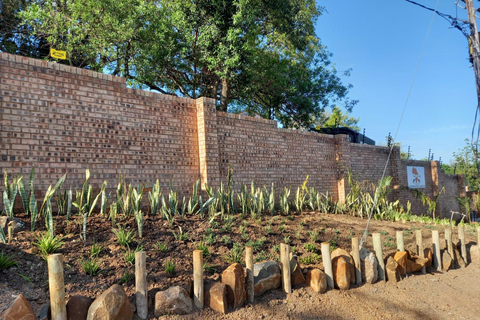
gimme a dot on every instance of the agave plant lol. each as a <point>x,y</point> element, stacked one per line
<point>137,210</point>
<point>46,208</point>
<point>284,205</point>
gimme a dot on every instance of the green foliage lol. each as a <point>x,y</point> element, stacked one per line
<point>464,163</point>
<point>129,255</point>
<point>336,118</point>
<point>170,266</point>
<point>126,277</point>
<point>161,246</point>
<point>181,235</point>
<point>235,255</point>
<point>136,205</point>
<point>84,201</point>
<point>124,237</point>
<point>95,249</point>
<point>205,249</point>
<point>6,261</point>
<point>260,57</point>
<point>154,197</point>
<point>307,260</point>
<point>91,266</point>
<point>284,205</point>
<point>427,200</point>
<point>10,193</point>
<point>48,243</point>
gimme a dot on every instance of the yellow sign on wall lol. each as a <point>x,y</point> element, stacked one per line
<point>57,54</point>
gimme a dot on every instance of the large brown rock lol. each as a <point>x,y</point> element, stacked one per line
<point>401,257</point>
<point>234,278</point>
<point>174,300</point>
<point>113,304</point>
<point>428,254</point>
<point>414,266</point>
<point>317,280</point>
<point>369,266</point>
<point>19,310</point>
<point>296,272</point>
<point>341,273</point>
<point>458,257</point>
<point>266,276</point>
<point>348,257</point>
<point>216,297</point>
<point>391,270</point>
<point>77,307</point>
<point>447,260</point>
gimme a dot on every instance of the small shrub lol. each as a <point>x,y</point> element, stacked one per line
<point>127,276</point>
<point>205,250</point>
<point>235,255</point>
<point>286,239</point>
<point>310,247</point>
<point>91,266</point>
<point>129,256</point>
<point>170,266</point>
<point>226,240</point>
<point>161,246</point>
<point>313,235</point>
<point>95,249</point>
<point>282,228</point>
<point>124,237</point>
<point>261,256</point>
<point>6,261</point>
<point>48,244</point>
<point>268,230</point>
<point>181,236</point>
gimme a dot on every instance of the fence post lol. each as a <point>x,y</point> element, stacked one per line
<point>377,246</point>
<point>249,264</point>
<point>56,287</point>
<point>463,247</point>
<point>400,241</point>
<point>286,273</point>
<point>420,252</point>
<point>327,263</point>
<point>198,293</point>
<point>437,258</point>
<point>356,259</point>
<point>141,287</point>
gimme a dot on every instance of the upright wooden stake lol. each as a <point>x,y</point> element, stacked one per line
<point>448,242</point>
<point>356,260</point>
<point>420,252</point>
<point>478,235</point>
<point>249,264</point>
<point>198,293</point>
<point>461,238</point>
<point>56,287</point>
<point>286,273</point>
<point>400,241</point>
<point>437,258</point>
<point>377,246</point>
<point>141,294</point>
<point>327,263</point>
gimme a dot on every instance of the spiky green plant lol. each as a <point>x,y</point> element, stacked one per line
<point>27,195</point>
<point>46,208</point>
<point>48,244</point>
<point>193,201</point>
<point>84,203</point>
<point>10,193</point>
<point>170,266</point>
<point>6,261</point>
<point>284,204</point>
<point>124,237</point>
<point>136,204</point>
<point>154,197</point>
<point>91,266</point>
<point>235,255</point>
<point>104,199</point>
<point>181,235</point>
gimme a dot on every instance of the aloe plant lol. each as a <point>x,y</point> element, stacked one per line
<point>193,201</point>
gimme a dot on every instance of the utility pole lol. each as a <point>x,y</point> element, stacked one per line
<point>475,42</point>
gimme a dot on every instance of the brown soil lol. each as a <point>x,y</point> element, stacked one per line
<point>449,295</point>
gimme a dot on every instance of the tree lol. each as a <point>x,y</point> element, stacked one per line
<point>336,119</point>
<point>249,55</point>
<point>17,38</point>
<point>464,163</point>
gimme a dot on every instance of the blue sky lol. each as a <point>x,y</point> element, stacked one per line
<point>381,41</point>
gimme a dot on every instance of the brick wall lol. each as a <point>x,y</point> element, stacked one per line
<point>62,119</point>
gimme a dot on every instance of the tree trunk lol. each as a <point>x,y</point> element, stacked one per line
<point>224,95</point>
